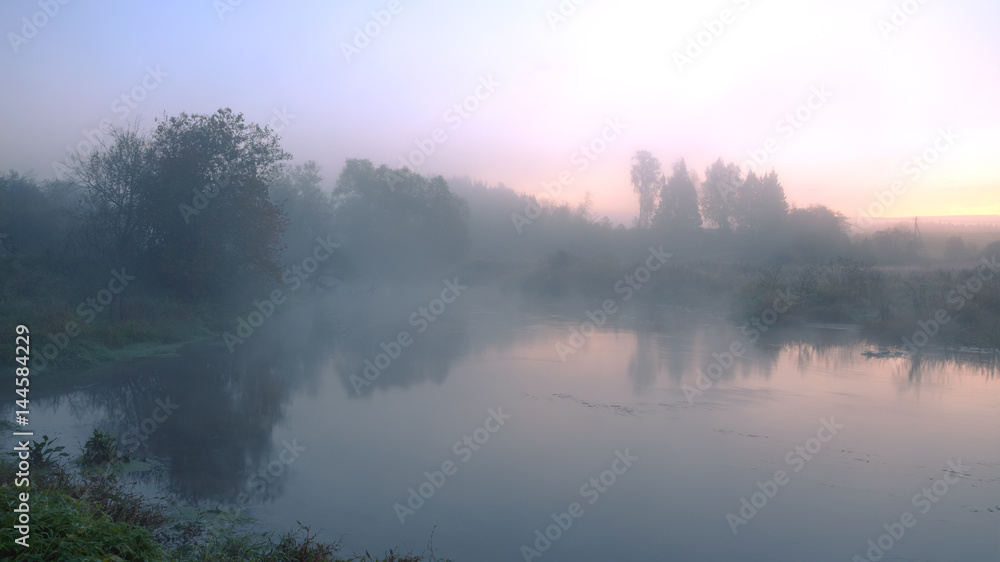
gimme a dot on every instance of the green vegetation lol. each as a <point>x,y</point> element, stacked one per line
<point>96,515</point>
<point>888,304</point>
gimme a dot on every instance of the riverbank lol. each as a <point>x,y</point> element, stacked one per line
<point>85,510</point>
<point>912,309</point>
<point>81,316</point>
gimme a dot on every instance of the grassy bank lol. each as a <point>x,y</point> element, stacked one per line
<point>83,510</point>
<point>61,303</point>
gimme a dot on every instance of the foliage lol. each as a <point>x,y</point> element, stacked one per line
<point>116,179</point>
<point>209,203</point>
<point>396,221</point>
<point>816,234</point>
<point>45,454</point>
<point>678,206</point>
<point>67,528</point>
<point>101,449</point>
<point>647,178</point>
<point>718,194</point>
<point>92,517</point>
<point>35,218</point>
<point>760,203</point>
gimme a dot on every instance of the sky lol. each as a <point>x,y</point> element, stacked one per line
<point>873,108</point>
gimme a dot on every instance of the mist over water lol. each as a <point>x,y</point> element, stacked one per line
<point>364,448</point>
<point>527,281</point>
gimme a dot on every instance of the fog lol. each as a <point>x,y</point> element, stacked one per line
<point>572,281</point>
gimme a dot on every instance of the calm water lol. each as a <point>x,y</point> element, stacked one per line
<point>667,471</point>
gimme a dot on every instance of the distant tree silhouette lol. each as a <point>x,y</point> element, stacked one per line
<point>760,203</point>
<point>35,218</point>
<point>678,208</point>
<point>896,245</point>
<point>396,221</point>
<point>718,194</point>
<point>817,234</point>
<point>647,179</point>
<point>309,209</point>
<point>955,249</point>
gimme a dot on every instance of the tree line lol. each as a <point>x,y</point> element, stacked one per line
<point>203,202</point>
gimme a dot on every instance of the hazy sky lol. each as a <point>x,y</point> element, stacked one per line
<point>547,84</point>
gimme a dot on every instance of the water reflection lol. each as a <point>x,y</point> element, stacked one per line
<point>231,408</point>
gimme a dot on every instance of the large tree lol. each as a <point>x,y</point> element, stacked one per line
<point>678,208</point>
<point>718,194</point>
<point>647,179</point>
<point>211,218</point>
<point>760,203</point>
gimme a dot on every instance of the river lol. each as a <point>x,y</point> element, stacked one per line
<point>502,430</point>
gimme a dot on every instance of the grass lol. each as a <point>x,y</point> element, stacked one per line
<point>94,514</point>
<point>47,296</point>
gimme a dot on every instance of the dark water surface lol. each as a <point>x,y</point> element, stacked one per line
<point>280,429</point>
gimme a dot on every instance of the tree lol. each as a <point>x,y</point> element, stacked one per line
<point>308,208</point>
<point>955,249</point>
<point>395,221</point>
<point>678,208</point>
<point>817,234</point>
<point>115,176</point>
<point>34,219</point>
<point>760,203</point>
<point>718,194</point>
<point>893,246</point>
<point>647,178</point>
<point>208,207</point>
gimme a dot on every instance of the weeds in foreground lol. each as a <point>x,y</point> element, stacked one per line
<point>97,515</point>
